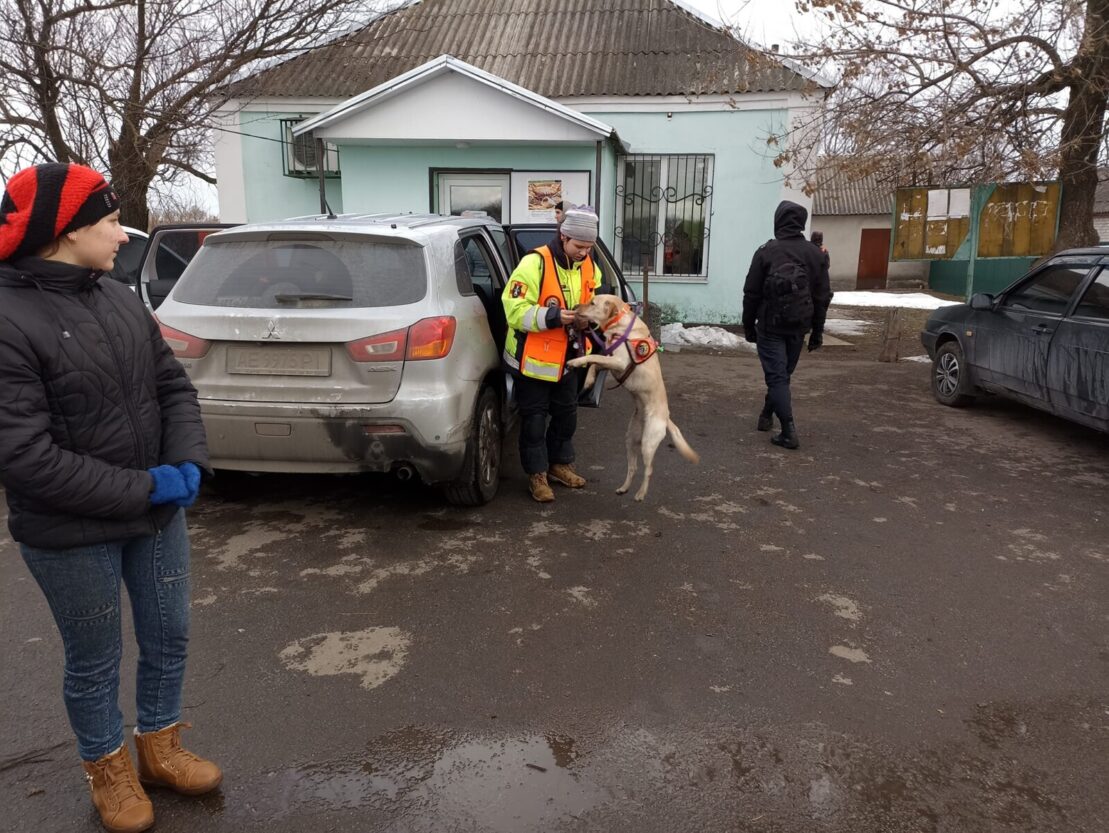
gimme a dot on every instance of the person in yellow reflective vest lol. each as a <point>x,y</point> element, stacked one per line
<point>538,302</point>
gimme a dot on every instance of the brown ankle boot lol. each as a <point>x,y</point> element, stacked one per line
<point>117,794</point>
<point>564,473</point>
<point>164,763</point>
<point>540,490</point>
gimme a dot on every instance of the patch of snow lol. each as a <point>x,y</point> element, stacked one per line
<point>908,300</point>
<point>922,359</point>
<point>847,326</point>
<point>703,337</point>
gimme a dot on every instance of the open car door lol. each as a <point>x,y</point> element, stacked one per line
<point>168,251</point>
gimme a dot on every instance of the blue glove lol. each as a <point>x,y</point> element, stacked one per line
<point>191,474</point>
<point>169,485</point>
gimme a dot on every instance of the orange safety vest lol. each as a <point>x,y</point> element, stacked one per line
<point>544,355</point>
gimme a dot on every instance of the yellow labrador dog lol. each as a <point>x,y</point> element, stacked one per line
<point>630,355</point>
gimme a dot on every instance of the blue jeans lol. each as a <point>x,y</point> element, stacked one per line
<point>82,588</point>
<point>779,355</point>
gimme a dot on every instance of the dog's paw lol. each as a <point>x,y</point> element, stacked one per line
<point>640,495</point>
<point>580,362</point>
<point>623,490</point>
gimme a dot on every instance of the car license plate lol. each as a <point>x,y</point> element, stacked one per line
<point>279,361</point>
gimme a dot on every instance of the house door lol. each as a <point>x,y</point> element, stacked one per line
<point>475,192</point>
<point>874,255</point>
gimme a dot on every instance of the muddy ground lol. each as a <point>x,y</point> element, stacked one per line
<point>901,628</point>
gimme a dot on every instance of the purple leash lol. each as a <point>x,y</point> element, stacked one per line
<point>599,342</point>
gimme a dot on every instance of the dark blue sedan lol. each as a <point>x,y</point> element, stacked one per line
<point>1043,341</point>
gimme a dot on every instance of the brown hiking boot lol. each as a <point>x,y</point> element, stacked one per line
<point>564,473</point>
<point>117,794</point>
<point>540,490</point>
<point>164,763</point>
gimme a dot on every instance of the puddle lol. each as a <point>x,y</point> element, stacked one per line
<point>507,784</point>
<point>427,780</point>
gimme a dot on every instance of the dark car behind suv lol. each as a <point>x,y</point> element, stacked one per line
<point>1043,341</point>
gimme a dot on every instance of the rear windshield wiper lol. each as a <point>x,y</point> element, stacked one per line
<point>293,297</point>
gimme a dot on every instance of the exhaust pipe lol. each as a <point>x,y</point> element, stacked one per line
<point>405,472</point>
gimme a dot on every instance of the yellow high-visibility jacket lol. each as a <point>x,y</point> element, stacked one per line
<point>533,347</point>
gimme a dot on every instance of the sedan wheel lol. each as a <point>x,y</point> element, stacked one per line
<point>950,385</point>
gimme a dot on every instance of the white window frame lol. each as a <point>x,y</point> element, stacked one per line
<point>478,179</point>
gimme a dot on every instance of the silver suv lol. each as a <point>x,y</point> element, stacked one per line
<point>349,343</point>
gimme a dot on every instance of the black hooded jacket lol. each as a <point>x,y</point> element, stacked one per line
<point>789,243</point>
<point>90,398</point>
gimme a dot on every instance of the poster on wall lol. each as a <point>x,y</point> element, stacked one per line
<point>536,193</point>
<point>543,196</point>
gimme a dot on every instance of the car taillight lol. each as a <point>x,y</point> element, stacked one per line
<point>386,347</point>
<point>183,345</point>
<point>431,338</point>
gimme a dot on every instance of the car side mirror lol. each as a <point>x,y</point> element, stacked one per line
<point>981,301</point>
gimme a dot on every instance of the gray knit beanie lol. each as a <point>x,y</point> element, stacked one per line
<point>579,224</point>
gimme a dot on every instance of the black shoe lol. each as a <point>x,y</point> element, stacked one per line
<point>766,419</point>
<point>788,437</point>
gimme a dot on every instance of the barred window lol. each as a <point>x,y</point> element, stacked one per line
<point>298,153</point>
<point>663,210</point>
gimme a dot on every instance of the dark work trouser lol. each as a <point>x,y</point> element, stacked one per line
<point>779,355</point>
<point>541,444</point>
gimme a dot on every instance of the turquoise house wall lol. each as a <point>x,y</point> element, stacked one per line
<point>746,190</point>
<point>387,178</point>
<point>270,195</point>
<point>746,186</point>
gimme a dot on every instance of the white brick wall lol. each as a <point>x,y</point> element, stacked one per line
<point>1101,223</point>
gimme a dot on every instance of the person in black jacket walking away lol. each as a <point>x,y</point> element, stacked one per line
<point>786,295</point>
<point>101,450</point>
<point>817,239</point>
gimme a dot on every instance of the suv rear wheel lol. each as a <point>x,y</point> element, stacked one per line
<point>481,471</point>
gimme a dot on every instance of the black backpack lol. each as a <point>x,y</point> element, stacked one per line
<point>788,296</point>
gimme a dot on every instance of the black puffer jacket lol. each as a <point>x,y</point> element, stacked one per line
<point>789,243</point>
<point>90,398</point>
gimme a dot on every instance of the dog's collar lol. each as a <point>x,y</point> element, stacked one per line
<point>608,348</point>
<point>620,313</point>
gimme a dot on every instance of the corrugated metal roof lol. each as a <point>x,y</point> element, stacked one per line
<point>557,48</point>
<point>837,194</point>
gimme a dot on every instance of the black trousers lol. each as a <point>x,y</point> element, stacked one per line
<point>779,355</point>
<point>543,443</point>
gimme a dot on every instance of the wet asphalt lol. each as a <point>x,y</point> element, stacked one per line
<point>901,628</point>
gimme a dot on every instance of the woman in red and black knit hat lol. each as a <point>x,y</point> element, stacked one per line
<point>101,450</point>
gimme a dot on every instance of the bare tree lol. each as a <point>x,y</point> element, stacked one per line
<point>126,85</point>
<point>953,91</point>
